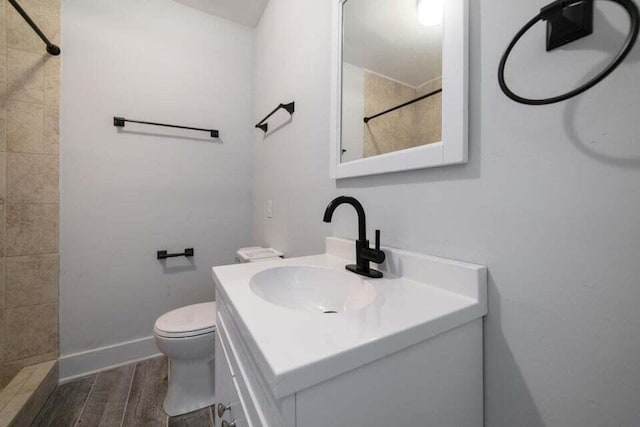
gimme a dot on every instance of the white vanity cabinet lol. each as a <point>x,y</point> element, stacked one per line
<point>411,355</point>
<point>249,399</point>
<point>434,383</point>
<point>227,389</point>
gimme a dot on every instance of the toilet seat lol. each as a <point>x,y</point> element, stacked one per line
<point>189,321</point>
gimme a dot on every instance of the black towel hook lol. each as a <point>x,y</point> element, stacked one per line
<point>567,21</point>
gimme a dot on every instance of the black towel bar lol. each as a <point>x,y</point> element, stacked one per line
<point>120,121</point>
<point>290,107</point>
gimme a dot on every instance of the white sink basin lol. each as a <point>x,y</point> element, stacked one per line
<point>313,289</point>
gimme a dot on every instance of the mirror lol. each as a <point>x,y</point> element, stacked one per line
<point>391,76</point>
<point>400,85</point>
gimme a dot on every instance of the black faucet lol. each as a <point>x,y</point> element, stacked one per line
<point>364,254</point>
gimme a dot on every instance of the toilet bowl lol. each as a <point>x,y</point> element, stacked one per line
<point>187,337</point>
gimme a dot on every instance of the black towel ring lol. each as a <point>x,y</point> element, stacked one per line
<point>545,14</point>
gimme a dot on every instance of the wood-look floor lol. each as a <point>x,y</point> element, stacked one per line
<point>127,396</point>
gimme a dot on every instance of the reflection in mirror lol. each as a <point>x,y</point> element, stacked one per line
<point>391,76</point>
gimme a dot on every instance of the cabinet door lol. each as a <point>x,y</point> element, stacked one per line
<point>226,391</point>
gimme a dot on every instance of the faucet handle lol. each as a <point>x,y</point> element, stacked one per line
<point>375,255</point>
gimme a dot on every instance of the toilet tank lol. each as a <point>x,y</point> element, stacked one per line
<point>257,254</point>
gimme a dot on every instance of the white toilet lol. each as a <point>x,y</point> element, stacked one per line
<point>187,336</point>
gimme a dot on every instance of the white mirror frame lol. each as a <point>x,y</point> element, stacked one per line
<point>453,147</point>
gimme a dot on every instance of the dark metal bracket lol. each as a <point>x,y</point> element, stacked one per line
<point>52,49</point>
<point>567,22</point>
<point>120,121</point>
<point>290,108</point>
<point>164,254</point>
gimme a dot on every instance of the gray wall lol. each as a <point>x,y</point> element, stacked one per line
<point>548,200</point>
<point>126,194</point>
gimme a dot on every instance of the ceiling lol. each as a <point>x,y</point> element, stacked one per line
<point>245,12</point>
<point>385,36</point>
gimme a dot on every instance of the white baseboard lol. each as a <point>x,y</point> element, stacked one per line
<point>84,363</point>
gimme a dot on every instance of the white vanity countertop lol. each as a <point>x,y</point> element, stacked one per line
<point>419,297</point>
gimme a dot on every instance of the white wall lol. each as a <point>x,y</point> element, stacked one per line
<point>126,194</point>
<point>549,201</point>
<point>352,112</point>
<point>291,53</point>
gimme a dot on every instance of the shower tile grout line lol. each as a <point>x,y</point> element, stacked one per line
<point>126,402</point>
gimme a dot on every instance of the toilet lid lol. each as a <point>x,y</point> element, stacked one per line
<point>187,321</point>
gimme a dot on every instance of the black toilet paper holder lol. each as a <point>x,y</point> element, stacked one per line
<point>165,254</point>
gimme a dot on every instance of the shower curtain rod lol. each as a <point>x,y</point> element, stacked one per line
<point>52,49</point>
<point>420,98</point>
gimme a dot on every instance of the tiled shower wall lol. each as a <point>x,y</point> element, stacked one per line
<point>29,195</point>
<point>411,126</point>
